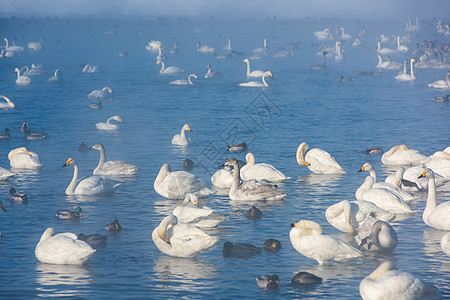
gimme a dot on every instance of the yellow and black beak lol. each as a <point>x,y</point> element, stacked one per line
<point>362,169</point>
<point>66,164</point>
<point>293,224</point>
<point>423,175</point>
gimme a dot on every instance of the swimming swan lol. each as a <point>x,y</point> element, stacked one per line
<point>22,158</point>
<point>384,50</point>
<point>22,79</point>
<point>108,125</point>
<point>62,248</point>
<point>104,93</point>
<point>441,84</point>
<point>401,155</point>
<point>381,197</point>
<point>181,139</point>
<point>401,48</point>
<point>317,160</point>
<point>387,64</point>
<point>55,76</point>
<point>90,69</point>
<point>306,237</point>
<point>35,46</point>
<point>323,34</point>
<point>376,235</point>
<point>344,36</point>
<point>260,171</point>
<point>405,76</point>
<point>388,283</point>
<point>168,70</point>
<point>8,104</point>
<point>184,81</point>
<point>255,73</point>
<point>257,83</point>
<point>5,174</point>
<point>252,189</point>
<point>204,49</point>
<point>12,48</point>
<point>181,240</point>
<point>112,167</point>
<point>175,185</point>
<point>210,73</point>
<point>189,212</point>
<point>92,185</point>
<point>436,216</point>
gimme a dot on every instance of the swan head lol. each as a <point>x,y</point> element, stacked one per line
<point>250,159</point>
<point>428,173</point>
<point>187,127</point>
<point>191,198</point>
<point>308,227</point>
<point>301,151</point>
<point>107,88</point>
<point>98,147</point>
<point>245,60</point>
<point>117,118</point>
<point>232,162</point>
<point>268,73</point>
<point>18,151</point>
<point>366,167</point>
<point>70,161</point>
<point>163,226</point>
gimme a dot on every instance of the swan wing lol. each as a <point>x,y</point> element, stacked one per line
<point>439,217</point>
<point>116,168</point>
<point>63,248</point>
<point>254,190</point>
<point>262,171</point>
<point>322,162</point>
<point>95,185</point>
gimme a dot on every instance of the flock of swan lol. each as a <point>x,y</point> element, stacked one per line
<point>366,218</point>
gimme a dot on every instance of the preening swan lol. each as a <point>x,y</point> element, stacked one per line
<point>397,180</point>
<point>260,171</point>
<point>306,237</point>
<point>376,235</point>
<point>104,93</point>
<point>92,185</point>
<point>384,50</point>
<point>168,70</point>
<point>255,73</point>
<point>204,49</point>
<point>181,240</point>
<point>252,189</point>
<point>441,84</point>
<point>405,76</point>
<point>22,79</point>
<point>436,216</point>
<point>222,178</point>
<point>175,185</point>
<point>112,167</point>
<point>180,138</point>
<point>401,48</point>
<point>22,158</point>
<point>62,248</point>
<point>8,104</point>
<point>445,243</point>
<point>55,76</point>
<point>108,125</point>
<point>5,174</point>
<point>388,283</point>
<point>317,160</point>
<point>324,34</point>
<point>189,211</point>
<point>381,197</point>
<point>401,155</point>
<point>356,43</point>
<point>257,83</point>
<point>184,81</point>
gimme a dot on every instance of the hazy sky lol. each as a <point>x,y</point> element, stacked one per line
<point>357,9</point>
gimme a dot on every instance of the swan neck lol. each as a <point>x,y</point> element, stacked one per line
<point>412,69</point>
<point>380,61</point>
<point>431,198</point>
<point>189,79</point>
<point>183,133</point>
<point>248,67</point>
<point>162,67</point>
<point>72,185</point>
<point>264,81</point>
<point>373,174</point>
<point>236,178</point>
<point>102,157</point>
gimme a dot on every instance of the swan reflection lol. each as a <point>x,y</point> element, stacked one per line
<point>61,280</point>
<point>323,183</point>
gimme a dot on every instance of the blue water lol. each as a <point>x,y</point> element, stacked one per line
<point>299,105</point>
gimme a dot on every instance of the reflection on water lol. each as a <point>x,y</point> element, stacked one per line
<point>166,207</point>
<point>61,280</point>
<point>321,183</point>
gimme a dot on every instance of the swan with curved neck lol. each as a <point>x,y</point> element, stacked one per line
<point>441,84</point>
<point>22,79</point>
<point>436,216</point>
<point>22,158</point>
<point>376,235</point>
<point>104,93</point>
<point>263,82</point>
<point>55,76</point>
<point>401,155</point>
<point>108,125</point>
<point>184,81</point>
<point>13,48</point>
<point>401,48</point>
<point>384,50</point>
<point>168,70</point>
<point>317,160</point>
<point>181,139</point>
<point>255,73</point>
<point>8,104</point>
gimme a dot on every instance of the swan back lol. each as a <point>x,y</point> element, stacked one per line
<point>16,151</point>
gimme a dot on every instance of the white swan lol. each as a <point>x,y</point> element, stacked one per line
<point>55,76</point>
<point>436,216</point>
<point>22,158</point>
<point>168,70</point>
<point>189,212</point>
<point>8,104</point>
<point>35,46</point>
<point>210,73</point>
<point>407,77</point>
<point>348,216</point>
<point>388,283</point>
<point>154,45</point>
<point>317,160</point>
<point>261,51</point>
<point>344,36</point>
<point>376,235</point>
<point>112,167</point>
<point>263,83</point>
<point>381,197</point>
<point>260,171</point>
<point>339,56</point>
<point>409,27</point>
<point>7,54</point>
<point>383,38</point>
<point>175,49</point>
<point>412,174</point>
<point>383,185</point>
<point>90,69</point>
<point>306,237</point>
<point>108,125</point>
<point>222,178</point>
<point>35,70</point>
<point>401,48</point>
<point>356,43</point>
<point>204,49</point>
<point>12,48</point>
<point>5,174</point>
<point>228,47</point>
<point>184,81</point>
<point>398,180</point>
<point>252,189</point>
<point>104,93</point>
<point>445,243</point>
<point>92,185</point>
<point>384,50</point>
<point>255,73</point>
<point>181,138</point>
<point>401,155</point>
<point>175,185</point>
<point>439,162</point>
<point>62,248</point>
<point>323,34</point>
<point>181,240</point>
<point>22,79</point>
<point>387,64</point>
<point>441,84</point>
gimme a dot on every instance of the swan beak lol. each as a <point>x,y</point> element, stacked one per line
<point>362,169</point>
<point>196,203</point>
<point>293,224</point>
<point>66,164</point>
<point>189,128</point>
<point>167,240</point>
<point>120,120</point>
<point>422,175</point>
<point>307,164</point>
